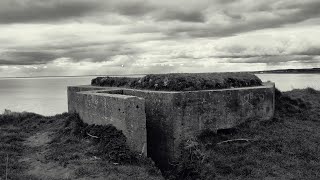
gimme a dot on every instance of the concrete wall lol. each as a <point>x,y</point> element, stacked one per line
<point>176,116</point>
<point>126,113</point>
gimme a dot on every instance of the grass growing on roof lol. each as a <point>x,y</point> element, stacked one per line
<point>182,82</point>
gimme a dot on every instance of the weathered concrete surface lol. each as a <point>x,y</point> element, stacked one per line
<point>173,117</point>
<point>72,95</point>
<point>126,113</point>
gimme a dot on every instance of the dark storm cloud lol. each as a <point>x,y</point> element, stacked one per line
<point>271,15</point>
<point>237,19</point>
<point>243,56</point>
<point>28,11</point>
<point>185,16</point>
<point>26,57</point>
<point>313,51</point>
<point>34,11</point>
<point>95,52</point>
<point>10,62</point>
<point>132,8</point>
<point>164,21</point>
<point>21,11</point>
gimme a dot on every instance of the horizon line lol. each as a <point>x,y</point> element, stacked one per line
<point>144,74</point>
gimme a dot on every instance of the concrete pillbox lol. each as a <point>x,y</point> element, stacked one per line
<point>162,120</point>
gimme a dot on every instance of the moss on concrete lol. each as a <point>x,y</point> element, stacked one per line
<point>182,82</point>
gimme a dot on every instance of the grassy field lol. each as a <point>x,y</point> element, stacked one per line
<point>62,147</point>
<point>286,147</point>
<point>182,81</point>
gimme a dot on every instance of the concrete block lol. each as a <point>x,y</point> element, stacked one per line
<point>175,116</point>
<point>126,113</point>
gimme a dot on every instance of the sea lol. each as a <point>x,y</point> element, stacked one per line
<point>48,95</point>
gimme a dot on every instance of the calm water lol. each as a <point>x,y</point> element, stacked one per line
<point>287,82</point>
<point>48,96</point>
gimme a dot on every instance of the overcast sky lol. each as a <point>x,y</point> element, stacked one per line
<point>78,37</point>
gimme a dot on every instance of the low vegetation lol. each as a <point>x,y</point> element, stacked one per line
<point>11,143</point>
<point>63,147</point>
<point>182,82</point>
<point>286,147</point>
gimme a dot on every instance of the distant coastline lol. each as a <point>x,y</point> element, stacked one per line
<point>277,71</point>
<point>47,76</point>
<point>27,77</point>
<point>290,71</point>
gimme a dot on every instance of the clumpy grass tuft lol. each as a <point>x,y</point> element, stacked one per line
<point>182,81</point>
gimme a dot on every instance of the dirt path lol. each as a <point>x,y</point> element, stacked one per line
<point>39,147</point>
<point>35,158</point>
<point>39,139</point>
